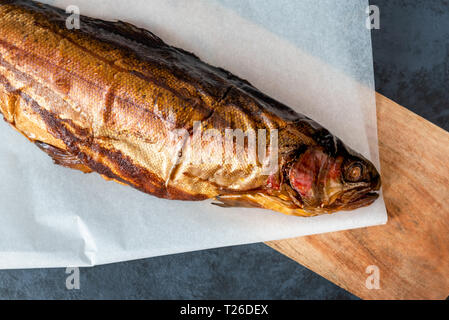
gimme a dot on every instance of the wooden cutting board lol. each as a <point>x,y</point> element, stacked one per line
<point>411,252</point>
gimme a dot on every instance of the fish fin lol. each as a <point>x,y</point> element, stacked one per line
<point>62,157</point>
<point>261,200</point>
<point>125,30</point>
<point>130,31</point>
<point>236,200</point>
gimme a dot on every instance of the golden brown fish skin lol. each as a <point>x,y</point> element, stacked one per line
<point>108,97</point>
<point>121,93</point>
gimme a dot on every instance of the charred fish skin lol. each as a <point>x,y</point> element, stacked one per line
<point>110,97</point>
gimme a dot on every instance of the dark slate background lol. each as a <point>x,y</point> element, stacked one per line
<point>411,56</point>
<point>411,60</point>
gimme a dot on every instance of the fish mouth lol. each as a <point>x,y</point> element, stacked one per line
<point>363,200</point>
<point>356,199</point>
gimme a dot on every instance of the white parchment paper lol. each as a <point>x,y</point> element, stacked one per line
<point>315,56</point>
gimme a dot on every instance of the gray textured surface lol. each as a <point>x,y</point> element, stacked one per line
<point>411,53</point>
<point>242,272</point>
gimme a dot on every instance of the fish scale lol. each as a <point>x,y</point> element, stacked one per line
<point>112,98</point>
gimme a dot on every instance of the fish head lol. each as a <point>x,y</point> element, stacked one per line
<point>325,180</point>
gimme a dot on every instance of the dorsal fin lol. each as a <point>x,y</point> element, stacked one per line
<point>126,30</point>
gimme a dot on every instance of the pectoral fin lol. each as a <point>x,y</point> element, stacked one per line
<point>241,201</point>
<point>63,158</point>
<point>261,200</point>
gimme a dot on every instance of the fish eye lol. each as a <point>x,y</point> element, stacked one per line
<point>355,172</point>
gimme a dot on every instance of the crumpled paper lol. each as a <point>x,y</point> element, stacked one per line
<point>315,56</point>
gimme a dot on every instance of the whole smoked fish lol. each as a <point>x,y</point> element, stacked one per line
<point>115,99</point>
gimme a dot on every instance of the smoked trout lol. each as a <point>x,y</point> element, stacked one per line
<point>115,99</point>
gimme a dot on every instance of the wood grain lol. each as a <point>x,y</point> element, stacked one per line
<point>412,250</point>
